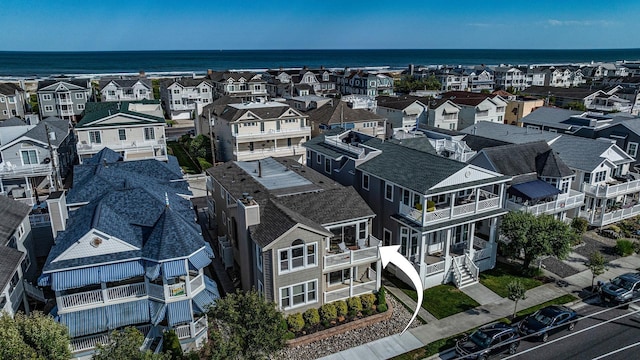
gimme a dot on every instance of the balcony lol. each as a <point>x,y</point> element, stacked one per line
<point>353,256</point>
<point>611,189</point>
<point>10,171</point>
<point>64,101</point>
<point>273,134</point>
<point>256,154</point>
<point>464,206</point>
<point>86,298</point>
<point>350,291</point>
<point>85,148</point>
<point>573,200</point>
<point>600,218</point>
<point>86,343</point>
<point>192,330</point>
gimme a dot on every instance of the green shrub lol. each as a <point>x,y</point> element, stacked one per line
<point>204,164</point>
<point>328,312</point>
<point>614,228</point>
<point>326,324</point>
<point>367,301</point>
<point>382,308</point>
<point>354,304</point>
<point>624,247</point>
<point>171,344</point>
<point>311,317</point>
<point>341,308</point>
<point>295,322</point>
<point>289,335</point>
<point>367,312</point>
<point>381,295</point>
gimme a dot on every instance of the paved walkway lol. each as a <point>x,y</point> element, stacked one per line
<point>481,294</point>
<point>486,313</point>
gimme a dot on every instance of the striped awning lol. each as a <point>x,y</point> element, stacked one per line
<point>153,270</point>
<point>200,259</point>
<point>171,269</point>
<point>203,300</point>
<point>179,312</point>
<point>209,250</point>
<point>121,271</point>
<point>129,313</point>
<point>85,322</point>
<point>72,279</point>
<point>44,280</point>
<point>158,311</point>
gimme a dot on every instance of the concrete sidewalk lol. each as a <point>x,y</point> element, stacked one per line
<point>486,313</point>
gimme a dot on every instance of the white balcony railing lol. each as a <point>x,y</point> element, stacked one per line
<point>183,331</point>
<point>99,297</point>
<point>435,268</point>
<point>270,151</point>
<point>8,170</point>
<point>575,199</point>
<point>334,141</point>
<point>256,135</point>
<point>196,283</point>
<point>128,146</point>
<point>349,257</point>
<point>605,218</point>
<point>349,291</point>
<point>606,190</point>
<point>39,220</point>
<point>448,213</point>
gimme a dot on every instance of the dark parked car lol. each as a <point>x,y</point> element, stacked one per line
<point>622,289</point>
<point>488,340</point>
<point>547,321</point>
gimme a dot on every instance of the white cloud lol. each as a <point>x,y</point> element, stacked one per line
<point>555,22</point>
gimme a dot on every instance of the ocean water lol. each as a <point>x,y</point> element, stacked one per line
<point>41,64</point>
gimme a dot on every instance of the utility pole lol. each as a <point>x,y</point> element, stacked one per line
<point>53,161</point>
<point>212,143</point>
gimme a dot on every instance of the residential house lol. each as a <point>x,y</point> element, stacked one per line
<point>563,97</point>
<point>34,158</point>
<point>562,77</point>
<point>16,253</point>
<point>518,78</point>
<point>442,113</point>
<point>443,213</point>
<point>125,89</point>
<point>247,86</point>
<point>339,114</point>
<point>135,129</point>
<point>64,98</point>
<point>129,254</point>
<point>12,101</point>
<point>360,82</point>
<point>184,98</point>
<point>476,107</point>
<point>481,79</point>
<point>448,143</point>
<point>602,169</point>
<point>293,234</point>
<point>252,131</point>
<point>288,83</point>
<point>520,107</point>
<point>404,113</point>
<point>541,182</point>
<point>599,70</point>
<point>309,102</point>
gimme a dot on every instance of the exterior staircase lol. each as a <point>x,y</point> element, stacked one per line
<point>34,292</point>
<point>465,271</point>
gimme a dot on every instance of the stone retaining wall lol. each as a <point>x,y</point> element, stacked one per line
<point>336,330</point>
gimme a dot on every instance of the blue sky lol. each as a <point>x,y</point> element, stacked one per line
<point>65,25</point>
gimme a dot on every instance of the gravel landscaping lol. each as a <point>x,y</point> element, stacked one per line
<point>594,242</point>
<point>353,338</point>
<point>558,267</point>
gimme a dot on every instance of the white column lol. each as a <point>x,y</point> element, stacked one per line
<point>452,201</point>
<point>471,234</point>
<point>477,191</point>
<point>447,259</point>
<point>105,296</point>
<point>492,230</point>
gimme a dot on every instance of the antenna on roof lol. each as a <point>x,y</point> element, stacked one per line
<point>166,199</point>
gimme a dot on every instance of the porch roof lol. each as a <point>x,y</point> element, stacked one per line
<point>533,190</point>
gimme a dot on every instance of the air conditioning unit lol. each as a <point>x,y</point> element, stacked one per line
<point>225,251</point>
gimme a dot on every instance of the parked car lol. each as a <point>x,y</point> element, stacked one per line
<point>621,290</point>
<point>487,341</point>
<point>547,321</point>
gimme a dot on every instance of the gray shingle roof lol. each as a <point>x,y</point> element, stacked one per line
<point>125,83</point>
<point>477,143</point>
<point>59,126</point>
<point>14,121</point>
<point>82,83</point>
<point>550,116</point>
<point>9,88</point>
<point>409,168</point>
<point>340,112</point>
<point>580,153</point>
<point>521,159</point>
<point>11,259</point>
<point>508,133</point>
<point>13,212</point>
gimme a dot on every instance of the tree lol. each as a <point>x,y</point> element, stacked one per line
<point>35,336</point>
<point>171,344</point>
<point>516,292</point>
<point>533,236</point>
<point>408,84</point>
<point>125,345</point>
<point>596,265</point>
<point>245,325</point>
<point>580,225</point>
<point>576,105</point>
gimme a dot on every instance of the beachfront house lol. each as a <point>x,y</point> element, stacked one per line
<point>443,213</point>
<point>251,131</point>
<point>35,158</point>
<point>360,82</point>
<point>128,252</point>
<point>135,129</point>
<point>64,98</point>
<point>246,86</point>
<point>288,83</point>
<point>296,236</point>
<point>12,101</point>
<point>125,89</point>
<point>184,98</point>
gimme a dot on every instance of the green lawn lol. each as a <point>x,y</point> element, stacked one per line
<point>441,301</point>
<point>447,343</point>
<point>497,278</point>
<point>184,160</point>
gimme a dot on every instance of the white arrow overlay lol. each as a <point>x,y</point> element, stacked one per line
<point>390,254</point>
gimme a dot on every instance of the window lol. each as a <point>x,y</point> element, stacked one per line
<point>600,176</point>
<point>587,178</point>
<point>14,281</point>
<point>29,157</point>
<point>176,91</point>
<point>404,239</point>
<point>260,287</point>
<point>204,90</point>
<point>259,257</point>
<point>339,277</point>
<point>94,137</point>
<point>122,134</point>
<point>388,191</point>
<point>632,149</point>
<point>387,238</point>
<point>298,256</point>
<point>12,99</point>
<point>299,294</point>
<point>48,108</point>
<point>327,165</point>
<point>46,96</point>
<point>5,112</point>
<point>318,160</point>
<point>79,96</point>
<point>25,264</point>
<point>176,102</point>
<point>149,134</point>
<point>1,99</point>
<point>80,106</point>
<point>365,181</point>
